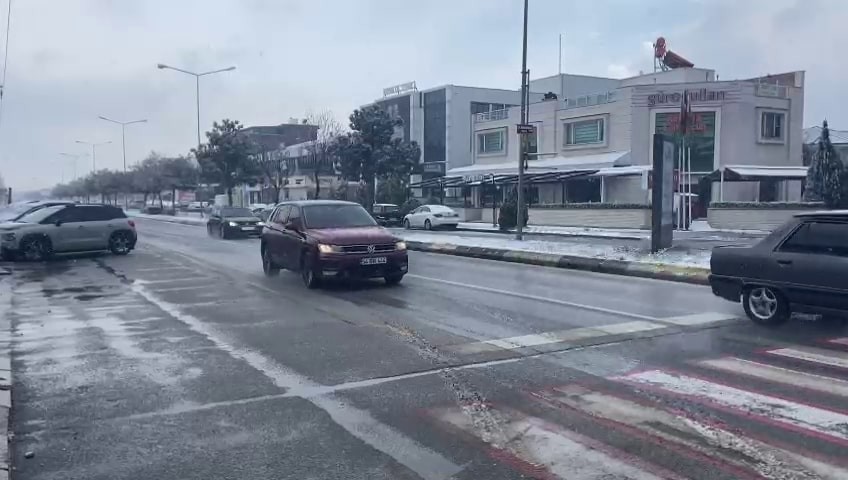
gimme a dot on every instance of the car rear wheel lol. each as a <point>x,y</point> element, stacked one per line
<point>428,225</point>
<point>119,243</point>
<point>406,223</point>
<point>270,268</point>
<point>222,232</point>
<point>765,305</point>
<point>36,249</point>
<point>393,279</point>
<point>307,272</point>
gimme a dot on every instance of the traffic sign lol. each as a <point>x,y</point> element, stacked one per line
<point>525,129</point>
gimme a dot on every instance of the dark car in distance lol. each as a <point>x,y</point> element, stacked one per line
<point>324,239</point>
<point>800,267</point>
<point>387,214</point>
<point>231,222</point>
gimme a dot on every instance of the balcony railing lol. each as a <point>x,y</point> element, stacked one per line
<point>589,100</point>
<point>769,90</point>
<point>502,114</point>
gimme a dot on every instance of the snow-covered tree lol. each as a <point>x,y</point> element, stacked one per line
<point>825,174</point>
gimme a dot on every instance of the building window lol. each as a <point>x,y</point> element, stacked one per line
<point>584,132</point>
<point>771,126</point>
<point>490,142</point>
<point>700,137</point>
<point>533,140</point>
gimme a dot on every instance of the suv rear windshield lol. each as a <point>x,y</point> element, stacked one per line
<point>236,212</point>
<point>337,216</point>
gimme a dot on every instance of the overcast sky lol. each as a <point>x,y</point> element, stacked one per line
<point>72,60</point>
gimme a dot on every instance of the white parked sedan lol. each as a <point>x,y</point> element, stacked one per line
<point>430,217</point>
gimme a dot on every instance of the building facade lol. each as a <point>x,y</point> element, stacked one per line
<point>440,120</point>
<point>607,125</point>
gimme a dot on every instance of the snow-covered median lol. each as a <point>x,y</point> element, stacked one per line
<point>698,258</point>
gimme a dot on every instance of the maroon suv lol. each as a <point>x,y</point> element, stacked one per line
<point>328,239</point>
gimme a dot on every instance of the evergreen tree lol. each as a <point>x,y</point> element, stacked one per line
<point>829,170</point>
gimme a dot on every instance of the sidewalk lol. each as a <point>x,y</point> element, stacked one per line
<point>5,370</point>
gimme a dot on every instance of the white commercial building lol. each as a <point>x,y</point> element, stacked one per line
<point>594,144</point>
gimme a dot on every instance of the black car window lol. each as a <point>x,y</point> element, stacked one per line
<point>236,212</point>
<point>68,215</point>
<point>94,214</point>
<point>282,214</point>
<point>294,215</point>
<point>830,238</point>
<point>337,216</point>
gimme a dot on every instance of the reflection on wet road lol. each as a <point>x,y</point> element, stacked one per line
<point>182,360</point>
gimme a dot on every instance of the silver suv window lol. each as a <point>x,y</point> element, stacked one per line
<point>39,215</point>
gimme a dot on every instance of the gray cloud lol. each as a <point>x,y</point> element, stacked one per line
<point>73,60</point>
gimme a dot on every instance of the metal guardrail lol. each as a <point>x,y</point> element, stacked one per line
<point>769,90</point>
<point>502,114</point>
<point>588,100</point>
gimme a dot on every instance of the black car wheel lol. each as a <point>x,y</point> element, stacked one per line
<point>119,243</point>
<point>765,305</point>
<point>36,249</point>
<point>406,223</point>
<point>270,268</point>
<point>307,272</point>
<point>428,225</point>
<point>393,279</point>
<point>209,229</point>
<point>222,232</point>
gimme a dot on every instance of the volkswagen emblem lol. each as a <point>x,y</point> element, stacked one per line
<point>371,248</point>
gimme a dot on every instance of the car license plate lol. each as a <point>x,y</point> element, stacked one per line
<point>248,228</point>
<point>373,261</point>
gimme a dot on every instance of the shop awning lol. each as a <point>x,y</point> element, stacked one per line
<point>546,165</point>
<point>548,177</point>
<point>742,173</point>
<point>633,170</point>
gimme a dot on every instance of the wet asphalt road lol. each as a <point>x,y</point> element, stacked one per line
<point>182,360</point>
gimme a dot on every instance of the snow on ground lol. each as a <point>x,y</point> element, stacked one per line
<point>186,220</point>
<point>696,258</point>
<point>700,229</point>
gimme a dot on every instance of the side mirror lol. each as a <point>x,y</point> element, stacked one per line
<point>294,226</point>
<point>58,223</point>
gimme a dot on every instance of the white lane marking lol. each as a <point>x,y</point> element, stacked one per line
<point>547,338</point>
<point>561,452</point>
<point>806,417</point>
<point>425,462</point>
<point>180,289</point>
<point>160,269</point>
<point>537,298</point>
<point>814,355</point>
<point>705,318</point>
<point>839,341</point>
<point>768,461</point>
<point>778,374</point>
<point>173,280</point>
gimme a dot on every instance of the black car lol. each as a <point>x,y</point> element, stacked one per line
<point>229,222</point>
<point>387,214</point>
<point>800,267</point>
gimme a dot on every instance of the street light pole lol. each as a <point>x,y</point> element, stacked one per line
<point>74,159</point>
<point>94,152</point>
<point>197,76</point>
<point>519,227</point>
<point>123,134</point>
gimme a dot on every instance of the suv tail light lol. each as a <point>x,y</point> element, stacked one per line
<point>132,223</point>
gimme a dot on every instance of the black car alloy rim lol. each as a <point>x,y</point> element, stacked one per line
<point>120,243</point>
<point>34,250</point>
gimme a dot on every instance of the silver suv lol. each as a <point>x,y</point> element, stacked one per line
<point>65,229</point>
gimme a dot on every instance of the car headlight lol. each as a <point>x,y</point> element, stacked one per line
<point>232,224</point>
<point>324,248</point>
<point>400,246</point>
<point>260,224</point>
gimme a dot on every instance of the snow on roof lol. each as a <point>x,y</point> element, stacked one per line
<point>766,171</point>
<point>558,163</point>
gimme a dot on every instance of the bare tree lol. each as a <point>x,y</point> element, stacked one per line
<point>320,152</point>
<point>271,164</point>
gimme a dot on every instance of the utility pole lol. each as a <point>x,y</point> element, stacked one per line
<point>522,157</point>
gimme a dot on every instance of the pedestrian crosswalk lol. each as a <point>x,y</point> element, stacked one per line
<point>775,413</point>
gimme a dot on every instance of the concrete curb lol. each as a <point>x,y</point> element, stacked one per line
<point>551,234</point>
<point>5,375</point>
<point>693,275</point>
